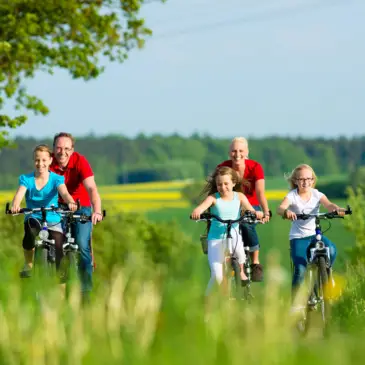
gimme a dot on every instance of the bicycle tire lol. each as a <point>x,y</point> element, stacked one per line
<point>304,321</point>
<point>72,265</point>
<point>41,264</point>
<point>322,291</point>
<point>68,270</point>
<point>44,271</point>
<point>235,287</point>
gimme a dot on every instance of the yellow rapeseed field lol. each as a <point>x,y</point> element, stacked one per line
<point>145,196</point>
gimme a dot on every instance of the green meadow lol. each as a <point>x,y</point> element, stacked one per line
<point>147,306</point>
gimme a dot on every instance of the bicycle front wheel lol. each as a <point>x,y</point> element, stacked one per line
<point>44,269</point>
<point>68,269</point>
<point>323,291</point>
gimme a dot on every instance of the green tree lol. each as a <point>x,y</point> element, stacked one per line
<point>357,178</point>
<point>41,35</point>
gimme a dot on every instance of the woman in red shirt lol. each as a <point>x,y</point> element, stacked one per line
<point>253,184</point>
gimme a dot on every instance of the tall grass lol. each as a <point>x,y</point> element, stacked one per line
<point>148,308</point>
<point>148,316</point>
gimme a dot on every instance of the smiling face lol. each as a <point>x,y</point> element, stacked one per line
<point>304,180</point>
<point>224,184</point>
<point>42,161</point>
<point>238,152</point>
<point>63,149</point>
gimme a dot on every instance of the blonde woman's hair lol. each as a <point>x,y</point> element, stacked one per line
<point>292,177</point>
<point>242,140</point>
<point>211,186</point>
<point>42,148</point>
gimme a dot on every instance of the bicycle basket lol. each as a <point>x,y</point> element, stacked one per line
<point>204,243</point>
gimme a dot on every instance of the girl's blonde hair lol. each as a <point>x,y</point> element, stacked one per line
<point>211,186</point>
<point>42,148</point>
<point>242,140</point>
<point>292,177</point>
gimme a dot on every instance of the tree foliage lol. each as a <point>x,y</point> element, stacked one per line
<point>117,159</point>
<point>357,178</point>
<point>41,35</point>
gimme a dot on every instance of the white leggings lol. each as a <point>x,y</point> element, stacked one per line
<point>216,258</point>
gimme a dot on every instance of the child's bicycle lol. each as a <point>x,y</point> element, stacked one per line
<point>45,252</point>
<point>231,276</point>
<point>318,275</point>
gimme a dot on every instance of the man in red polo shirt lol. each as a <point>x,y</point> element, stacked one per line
<point>80,182</point>
<point>253,186</point>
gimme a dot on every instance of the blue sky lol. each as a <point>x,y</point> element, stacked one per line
<point>226,68</point>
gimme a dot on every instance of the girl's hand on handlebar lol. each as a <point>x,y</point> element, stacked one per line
<point>196,214</point>
<point>15,208</point>
<point>340,211</point>
<point>72,206</point>
<point>290,215</point>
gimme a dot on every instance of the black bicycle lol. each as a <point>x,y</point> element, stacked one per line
<point>70,249</point>
<point>231,266</point>
<point>319,274</point>
<point>45,252</point>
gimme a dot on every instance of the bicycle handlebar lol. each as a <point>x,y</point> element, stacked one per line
<point>329,215</point>
<point>248,217</point>
<point>82,217</point>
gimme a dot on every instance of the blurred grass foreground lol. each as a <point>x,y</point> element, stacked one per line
<point>147,306</point>
<point>142,316</point>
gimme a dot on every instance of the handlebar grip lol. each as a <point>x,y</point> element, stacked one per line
<point>104,213</point>
<point>78,204</point>
<point>7,210</point>
<point>348,210</point>
<point>203,216</point>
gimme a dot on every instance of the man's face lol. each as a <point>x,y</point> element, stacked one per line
<point>63,150</point>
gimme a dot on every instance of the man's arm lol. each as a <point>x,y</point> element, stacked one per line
<point>261,197</point>
<point>92,190</point>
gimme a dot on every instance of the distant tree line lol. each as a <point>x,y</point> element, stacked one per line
<point>118,160</point>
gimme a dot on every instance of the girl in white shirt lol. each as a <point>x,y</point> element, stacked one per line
<point>303,198</point>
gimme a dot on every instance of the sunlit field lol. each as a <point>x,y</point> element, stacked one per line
<point>144,197</point>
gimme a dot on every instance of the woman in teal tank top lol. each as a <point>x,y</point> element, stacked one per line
<point>227,204</point>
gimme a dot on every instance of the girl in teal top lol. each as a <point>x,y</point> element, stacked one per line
<point>41,189</point>
<point>227,204</point>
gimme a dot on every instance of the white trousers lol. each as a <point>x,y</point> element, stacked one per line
<point>216,249</point>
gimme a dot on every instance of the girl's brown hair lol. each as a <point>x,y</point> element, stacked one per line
<point>293,176</point>
<point>211,186</point>
<point>42,148</point>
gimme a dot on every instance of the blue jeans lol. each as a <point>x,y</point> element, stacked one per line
<point>249,234</point>
<point>298,253</point>
<point>82,234</point>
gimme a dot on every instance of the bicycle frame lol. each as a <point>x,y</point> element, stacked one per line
<point>232,272</point>
<point>41,241</point>
<point>319,250</point>
<point>319,270</point>
<point>69,247</point>
<point>49,244</point>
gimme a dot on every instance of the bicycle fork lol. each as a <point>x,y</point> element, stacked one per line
<point>69,244</point>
